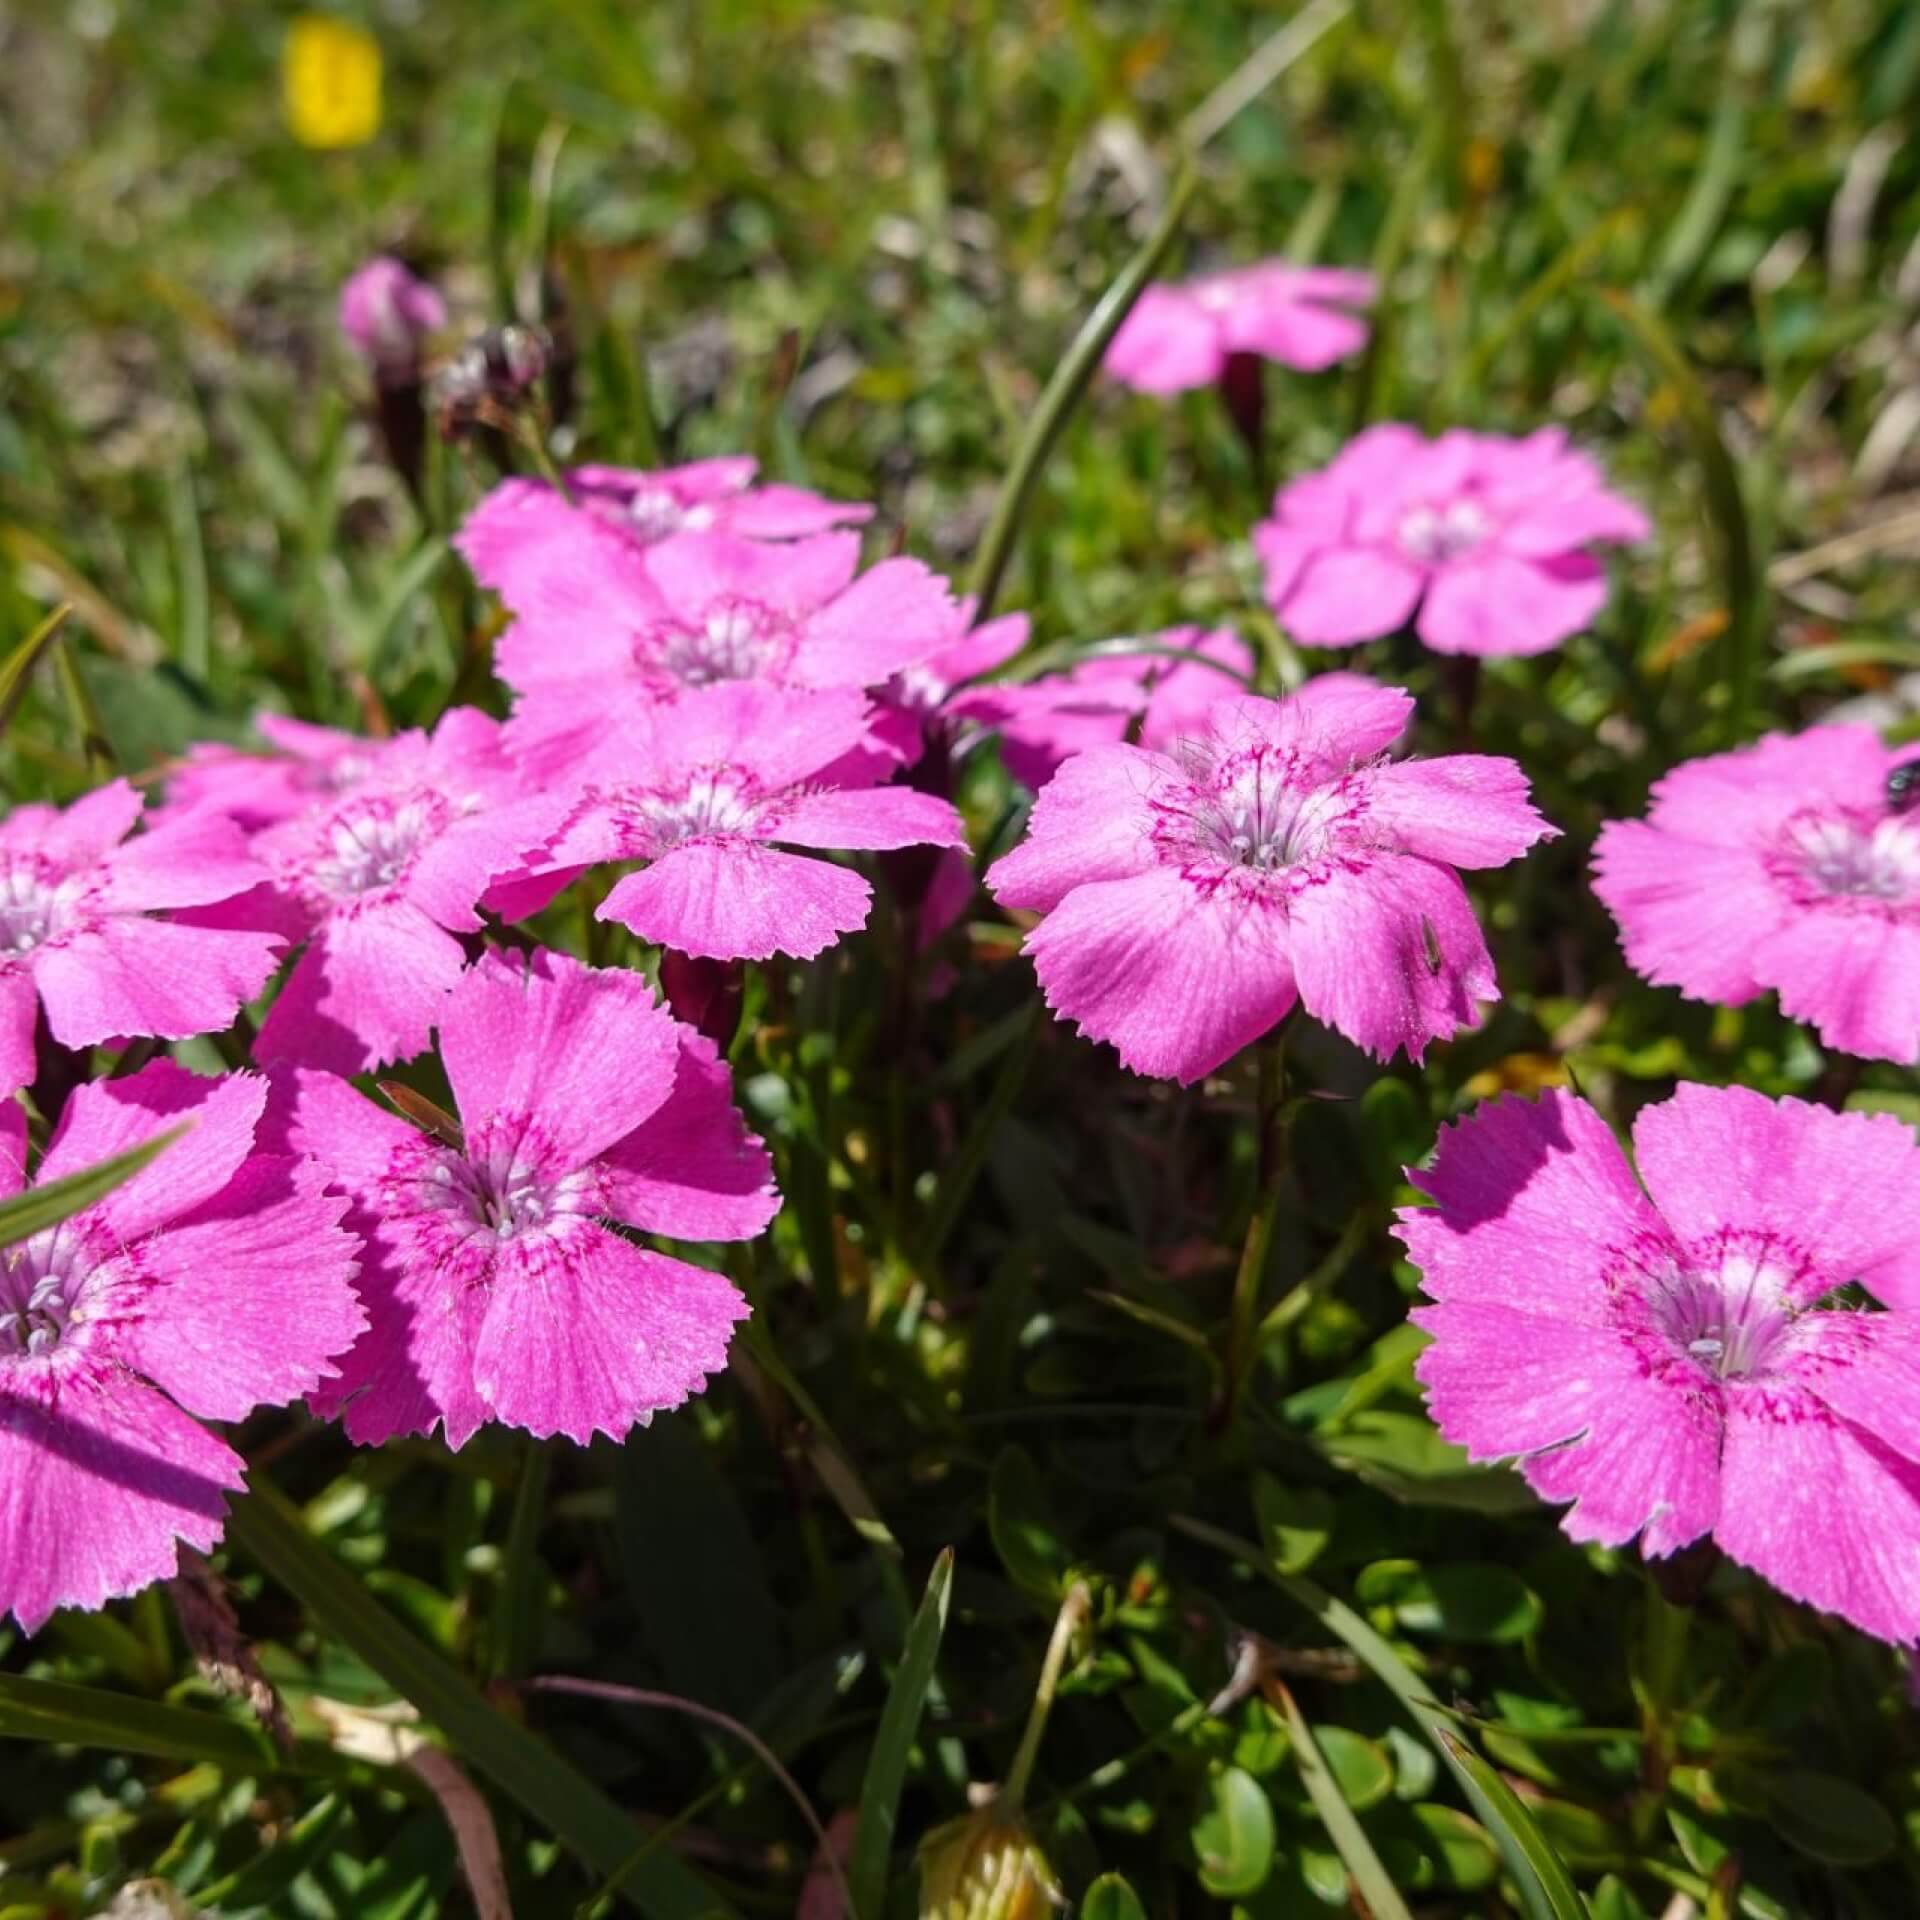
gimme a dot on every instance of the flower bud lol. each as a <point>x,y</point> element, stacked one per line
<point>387,312</point>
<point>986,1866</point>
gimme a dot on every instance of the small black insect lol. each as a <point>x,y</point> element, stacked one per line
<point>1903,787</point>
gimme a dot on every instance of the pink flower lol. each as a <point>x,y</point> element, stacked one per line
<point>256,789</point>
<point>387,313</point>
<point>215,1281</point>
<point>523,529</point>
<point>84,930</point>
<point>616,625</point>
<point>708,791</point>
<point>1674,1361</point>
<point>377,882</point>
<point>1192,895</point>
<point>930,702</point>
<point>1045,721</point>
<point>1487,538</point>
<point>1781,868</point>
<point>496,1289</point>
<point>1180,336</point>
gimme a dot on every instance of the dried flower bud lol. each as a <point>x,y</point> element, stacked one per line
<point>387,312</point>
<point>986,1866</point>
<point>487,381</point>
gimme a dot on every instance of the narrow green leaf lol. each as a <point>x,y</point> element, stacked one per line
<point>38,1207</point>
<point>1070,381</point>
<point>957,1178</point>
<point>270,1532</point>
<point>1370,1878</point>
<point>887,1764</point>
<point>63,1715</point>
<point>17,669</point>
<point>1546,1889</point>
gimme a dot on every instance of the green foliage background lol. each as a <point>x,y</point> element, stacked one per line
<point>856,243</point>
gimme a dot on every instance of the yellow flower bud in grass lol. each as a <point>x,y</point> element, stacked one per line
<point>986,1866</point>
<point>330,70</point>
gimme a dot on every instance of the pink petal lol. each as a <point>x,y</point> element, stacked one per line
<point>1745,797</point>
<point>1282,326</point>
<point>97,822</point>
<point>1866,1368</point>
<point>692,1170</point>
<point>367,991</point>
<point>187,862</point>
<point>251,1295</point>
<point>108,1117</point>
<point>1467,810</point>
<point>1851,974</point>
<point>1348,594</point>
<point>98,1488</point>
<point>1361,948</point>
<point>19,1011</point>
<point>324,1118</point>
<point>735,900</point>
<point>451,875</point>
<point>586,1053</point>
<point>13,1148</point>
<point>871,817</point>
<point>1534,1197</point>
<point>692,570</point>
<point>1495,603</point>
<point>597,1340</point>
<point>894,616</point>
<point>1690,914</point>
<point>1092,821</point>
<point>1177,981</point>
<point>781,735</point>
<point>135,975</point>
<point>1340,718</point>
<point>1167,344</point>
<point>1285,551</point>
<point>1650,1465</point>
<point>1825,1512</point>
<point>983,648</point>
<point>1845,1187</point>
<point>778,512</point>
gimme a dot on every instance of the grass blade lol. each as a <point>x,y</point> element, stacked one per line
<point>28,1213</point>
<point>53,1711</point>
<point>1546,1889</point>
<point>17,669</point>
<point>964,1169</point>
<point>1071,378</point>
<point>887,1764</point>
<point>522,1765</point>
<point>1370,1879</point>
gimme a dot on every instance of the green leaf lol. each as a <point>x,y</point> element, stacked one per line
<point>1111,1898</point>
<point>1403,1454</point>
<point>64,1715</point>
<point>1295,1522</point>
<point>17,669</point>
<point>712,1625</point>
<point>1359,1768</point>
<point>1233,1838</point>
<point>1025,1533</point>
<point>1546,1889</point>
<point>270,1532</point>
<point>1468,1858</point>
<point>45,1206</point>
<point>1330,1789</point>
<point>1829,1818</point>
<point>887,1763</point>
<point>1469,1600</point>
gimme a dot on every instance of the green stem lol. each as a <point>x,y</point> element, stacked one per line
<point>958,1180</point>
<point>1073,1612</point>
<point>1252,1271</point>
<point>534,439</point>
<point>1070,381</point>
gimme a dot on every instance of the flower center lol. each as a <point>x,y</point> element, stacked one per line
<point>41,1283</point>
<point>1850,856</point>
<point>1430,536</point>
<point>36,904</point>
<point>502,1188</point>
<point>653,512</point>
<point>1728,1307</point>
<point>735,639</point>
<point>1215,296</point>
<point>373,843</point>
<point>1259,812</point>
